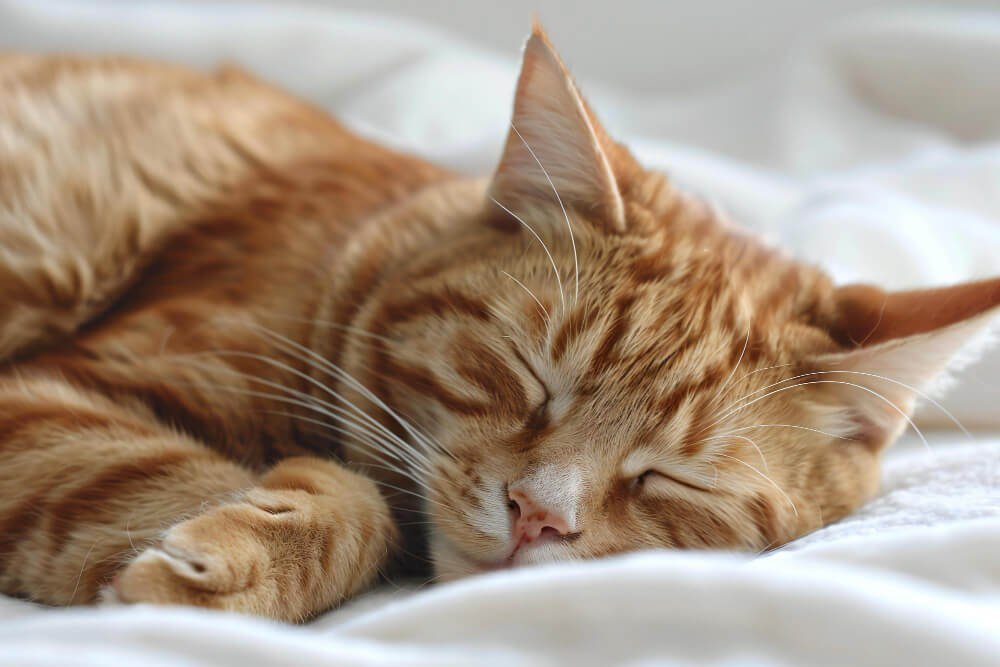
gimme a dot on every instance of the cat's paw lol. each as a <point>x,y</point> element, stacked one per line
<point>220,559</point>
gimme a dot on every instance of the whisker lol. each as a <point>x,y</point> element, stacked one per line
<point>901,412</point>
<point>128,533</point>
<point>552,261</point>
<point>768,368</point>
<point>324,323</point>
<point>375,445</point>
<point>335,371</point>
<point>922,394</point>
<point>545,313</point>
<point>746,344</point>
<point>773,483</point>
<point>83,568</point>
<point>742,437</point>
<point>421,496</point>
<point>572,237</point>
<point>406,454</point>
<point>283,366</point>
<point>918,392</point>
<point>795,426</point>
<point>369,441</point>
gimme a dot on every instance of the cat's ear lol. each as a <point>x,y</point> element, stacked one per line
<point>902,346</point>
<point>555,143</point>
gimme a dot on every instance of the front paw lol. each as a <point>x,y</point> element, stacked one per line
<point>219,559</point>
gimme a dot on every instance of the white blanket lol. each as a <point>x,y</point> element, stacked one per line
<point>872,152</point>
<point>912,579</point>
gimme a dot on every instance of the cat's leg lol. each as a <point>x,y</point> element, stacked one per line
<point>310,534</point>
<point>87,484</point>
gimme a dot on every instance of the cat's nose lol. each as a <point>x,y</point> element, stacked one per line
<point>532,520</point>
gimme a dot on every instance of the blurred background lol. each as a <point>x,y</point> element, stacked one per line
<point>647,45</point>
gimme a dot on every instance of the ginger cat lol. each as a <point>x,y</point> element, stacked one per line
<point>241,346</point>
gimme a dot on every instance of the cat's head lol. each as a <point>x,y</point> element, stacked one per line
<point>605,364</point>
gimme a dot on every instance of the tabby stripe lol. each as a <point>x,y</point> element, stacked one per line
<point>17,420</point>
<point>179,406</point>
<point>785,285</point>
<point>426,384</point>
<point>486,370</point>
<point>16,524</point>
<point>765,519</point>
<point>621,320</point>
<point>694,439</point>
<point>88,503</point>
<point>446,303</point>
<point>575,325</point>
<point>704,527</point>
<point>665,521</point>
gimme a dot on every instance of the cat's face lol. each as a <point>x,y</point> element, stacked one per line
<point>616,368</point>
<point>656,408</point>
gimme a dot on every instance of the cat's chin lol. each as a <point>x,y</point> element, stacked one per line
<point>450,563</point>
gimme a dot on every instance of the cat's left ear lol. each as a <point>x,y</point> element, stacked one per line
<point>902,344</point>
<point>555,143</point>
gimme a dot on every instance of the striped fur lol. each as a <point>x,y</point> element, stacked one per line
<point>239,343</point>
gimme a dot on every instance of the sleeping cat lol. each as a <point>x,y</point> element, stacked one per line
<point>250,359</point>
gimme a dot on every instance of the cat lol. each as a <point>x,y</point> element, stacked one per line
<point>251,360</point>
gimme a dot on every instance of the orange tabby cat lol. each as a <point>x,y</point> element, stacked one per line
<point>240,343</point>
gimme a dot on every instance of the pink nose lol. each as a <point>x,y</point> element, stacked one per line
<point>533,521</point>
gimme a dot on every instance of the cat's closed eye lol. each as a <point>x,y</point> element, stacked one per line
<point>654,476</point>
<point>540,415</point>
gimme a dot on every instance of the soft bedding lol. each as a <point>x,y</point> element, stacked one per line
<point>911,579</point>
<point>874,152</point>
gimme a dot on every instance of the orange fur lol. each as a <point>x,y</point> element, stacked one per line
<point>227,322</point>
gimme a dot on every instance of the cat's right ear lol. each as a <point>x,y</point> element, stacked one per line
<point>555,143</point>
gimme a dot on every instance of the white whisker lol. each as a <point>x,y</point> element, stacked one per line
<point>795,426</point>
<point>545,313</point>
<point>572,238</point>
<point>335,371</point>
<point>901,412</point>
<point>773,483</point>
<point>746,344</point>
<point>83,568</point>
<point>923,395</point>
<point>322,323</point>
<point>396,445</point>
<point>360,413</point>
<point>552,261</point>
<point>742,437</point>
<point>918,392</point>
<point>375,444</point>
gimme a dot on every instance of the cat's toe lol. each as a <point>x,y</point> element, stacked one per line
<point>189,568</point>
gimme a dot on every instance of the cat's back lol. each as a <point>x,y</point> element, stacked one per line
<point>108,162</point>
<point>112,127</point>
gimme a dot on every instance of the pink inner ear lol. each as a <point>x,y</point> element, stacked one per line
<point>869,316</point>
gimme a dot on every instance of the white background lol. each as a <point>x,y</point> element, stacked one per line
<point>645,45</point>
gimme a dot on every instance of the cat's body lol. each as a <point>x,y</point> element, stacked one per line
<point>208,289</point>
<point>150,216</point>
